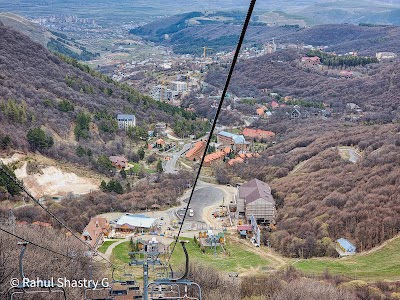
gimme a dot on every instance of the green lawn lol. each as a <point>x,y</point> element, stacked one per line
<point>137,167</point>
<point>238,260</point>
<point>103,248</point>
<point>120,253</point>
<point>378,265</point>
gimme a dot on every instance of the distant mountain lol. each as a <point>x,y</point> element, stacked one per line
<point>53,40</point>
<point>342,38</point>
<point>377,90</point>
<point>106,12</point>
<point>190,32</point>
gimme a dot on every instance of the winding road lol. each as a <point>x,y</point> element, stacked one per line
<point>170,164</point>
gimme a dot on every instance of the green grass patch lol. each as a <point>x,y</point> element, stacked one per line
<point>238,258</point>
<point>103,248</point>
<point>136,168</point>
<point>120,253</point>
<point>378,265</point>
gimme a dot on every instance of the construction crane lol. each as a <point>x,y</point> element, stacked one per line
<point>205,51</point>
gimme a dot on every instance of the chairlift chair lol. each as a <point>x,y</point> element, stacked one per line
<point>175,282</point>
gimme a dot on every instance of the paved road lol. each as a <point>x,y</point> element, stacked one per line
<point>170,165</point>
<point>202,198</point>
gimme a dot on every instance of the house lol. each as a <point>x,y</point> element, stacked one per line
<point>130,223</point>
<point>295,114</point>
<point>344,247</point>
<point>238,142</point>
<point>119,162</point>
<point>260,111</point>
<point>160,143</point>
<point>315,60</point>
<point>95,231</point>
<point>254,198</point>
<point>274,104</point>
<point>196,153</point>
<point>126,121</point>
<point>257,134</point>
<point>214,157</point>
<point>237,160</point>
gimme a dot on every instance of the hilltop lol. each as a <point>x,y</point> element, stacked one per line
<point>50,39</point>
<point>190,32</point>
<point>375,90</point>
<point>366,39</point>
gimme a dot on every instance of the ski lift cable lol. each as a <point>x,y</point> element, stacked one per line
<point>235,57</point>
<point>36,245</point>
<point>22,187</point>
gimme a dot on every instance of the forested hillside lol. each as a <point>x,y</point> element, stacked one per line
<point>322,196</point>
<point>377,91</point>
<point>189,33</point>
<point>342,38</point>
<point>70,103</point>
<point>163,190</point>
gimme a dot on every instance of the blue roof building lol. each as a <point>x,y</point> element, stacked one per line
<point>346,246</point>
<point>230,139</point>
<point>126,117</point>
<point>126,121</point>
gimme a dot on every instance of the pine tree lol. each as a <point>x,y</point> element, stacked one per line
<point>159,167</point>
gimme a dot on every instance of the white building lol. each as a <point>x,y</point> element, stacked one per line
<point>180,86</point>
<point>126,121</point>
<point>133,222</point>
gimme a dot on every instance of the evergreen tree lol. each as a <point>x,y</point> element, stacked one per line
<point>103,186</point>
<point>6,183</point>
<point>80,151</point>
<point>104,164</point>
<point>141,153</point>
<point>5,141</point>
<point>38,140</point>
<point>118,188</point>
<point>159,167</point>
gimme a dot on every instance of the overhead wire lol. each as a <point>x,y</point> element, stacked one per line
<point>235,57</point>
<point>35,244</point>
<point>22,187</point>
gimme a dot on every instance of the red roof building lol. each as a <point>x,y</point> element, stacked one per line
<point>119,162</point>
<point>95,231</point>
<point>315,60</point>
<point>260,111</point>
<point>258,133</point>
<point>196,153</point>
<point>160,142</point>
<point>214,157</point>
<point>274,104</point>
